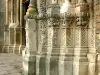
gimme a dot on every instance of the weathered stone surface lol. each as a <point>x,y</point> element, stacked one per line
<point>70,42</point>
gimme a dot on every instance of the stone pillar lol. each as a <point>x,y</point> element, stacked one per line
<point>32,3</point>
<point>80,62</point>
<point>53,50</point>
<point>17,31</point>
<point>29,55</point>
<point>12,11</point>
<point>7,10</point>
<point>6,29</point>
<point>92,54</point>
<point>22,28</point>
<point>42,38</point>
<point>11,29</point>
<point>54,1</point>
<point>30,52</point>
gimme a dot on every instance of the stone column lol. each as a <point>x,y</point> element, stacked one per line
<point>12,11</point>
<point>42,38</point>
<point>17,30</point>
<point>80,62</point>
<point>6,31</point>
<point>30,52</point>
<point>66,47</point>
<point>29,55</point>
<point>22,28</point>
<point>54,1</point>
<point>11,29</point>
<point>33,3</point>
<point>92,54</point>
<point>53,50</point>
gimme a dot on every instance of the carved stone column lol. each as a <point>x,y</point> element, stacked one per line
<point>53,50</point>
<point>80,62</point>
<point>42,38</point>
<point>93,57</point>
<point>6,29</point>
<point>30,52</point>
<point>17,29</point>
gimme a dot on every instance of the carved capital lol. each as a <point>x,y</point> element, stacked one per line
<point>31,13</point>
<point>32,10</point>
<point>53,11</point>
<point>82,19</point>
<point>53,22</point>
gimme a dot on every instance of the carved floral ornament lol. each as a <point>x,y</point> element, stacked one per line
<point>54,11</point>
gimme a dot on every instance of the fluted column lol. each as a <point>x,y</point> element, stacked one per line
<point>6,31</point>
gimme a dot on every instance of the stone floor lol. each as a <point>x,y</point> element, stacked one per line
<point>10,64</point>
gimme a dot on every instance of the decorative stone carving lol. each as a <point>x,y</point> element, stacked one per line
<point>66,36</point>
<point>69,37</point>
<point>41,5</point>
<point>32,10</point>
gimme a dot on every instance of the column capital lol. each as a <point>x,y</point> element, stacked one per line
<point>32,10</point>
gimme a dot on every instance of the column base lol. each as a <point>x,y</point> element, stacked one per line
<point>5,49</point>
<point>16,49</point>
<point>92,63</point>
<point>29,64</point>
<point>80,66</point>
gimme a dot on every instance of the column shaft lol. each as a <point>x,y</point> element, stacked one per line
<point>7,11</point>
<point>12,11</point>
